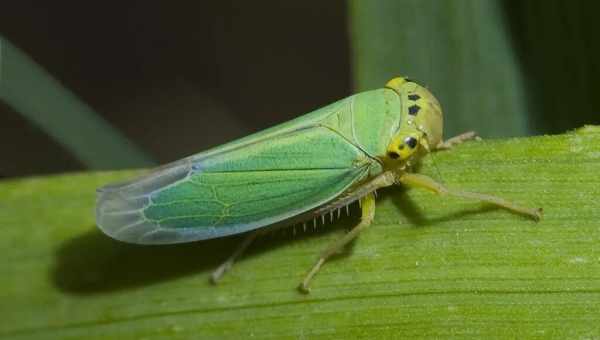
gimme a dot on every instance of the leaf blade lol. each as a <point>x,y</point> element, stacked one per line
<point>429,266</point>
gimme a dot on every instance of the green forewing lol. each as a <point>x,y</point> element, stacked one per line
<point>259,180</point>
<point>261,183</point>
<point>368,120</point>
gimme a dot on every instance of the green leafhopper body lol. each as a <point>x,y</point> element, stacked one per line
<point>305,168</point>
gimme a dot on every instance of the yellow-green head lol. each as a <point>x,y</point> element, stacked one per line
<point>422,122</point>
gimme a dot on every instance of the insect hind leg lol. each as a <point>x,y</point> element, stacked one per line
<point>226,266</point>
<point>368,213</point>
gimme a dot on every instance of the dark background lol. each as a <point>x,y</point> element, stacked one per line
<point>179,77</point>
<point>176,77</point>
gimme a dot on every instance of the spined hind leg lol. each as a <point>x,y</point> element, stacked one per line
<point>368,213</point>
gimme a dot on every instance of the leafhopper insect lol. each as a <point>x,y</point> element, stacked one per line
<point>297,171</point>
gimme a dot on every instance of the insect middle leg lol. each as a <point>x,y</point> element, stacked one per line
<point>368,213</point>
<point>424,182</point>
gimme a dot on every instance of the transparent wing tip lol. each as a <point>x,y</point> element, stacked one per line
<point>120,207</point>
<point>120,218</point>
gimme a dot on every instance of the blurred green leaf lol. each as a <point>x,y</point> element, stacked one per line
<point>460,49</point>
<point>499,67</point>
<point>428,267</point>
<point>32,92</point>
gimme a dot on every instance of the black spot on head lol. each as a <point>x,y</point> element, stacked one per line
<point>414,97</point>
<point>411,142</point>
<point>393,155</point>
<point>412,110</point>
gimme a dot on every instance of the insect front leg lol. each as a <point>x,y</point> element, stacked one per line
<point>463,137</point>
<point>226,266</point>
<point>368,213</point>
<point>424,182</point>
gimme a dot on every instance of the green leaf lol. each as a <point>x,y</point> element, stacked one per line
<point>428,267</point>
<point>461,49</point>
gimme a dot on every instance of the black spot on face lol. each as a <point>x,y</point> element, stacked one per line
<point>414,97</point>
<point>411,142</point>
<point>393,155</point>
<point>412,110</point>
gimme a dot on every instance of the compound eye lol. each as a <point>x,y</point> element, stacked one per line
<point>411,142</point>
